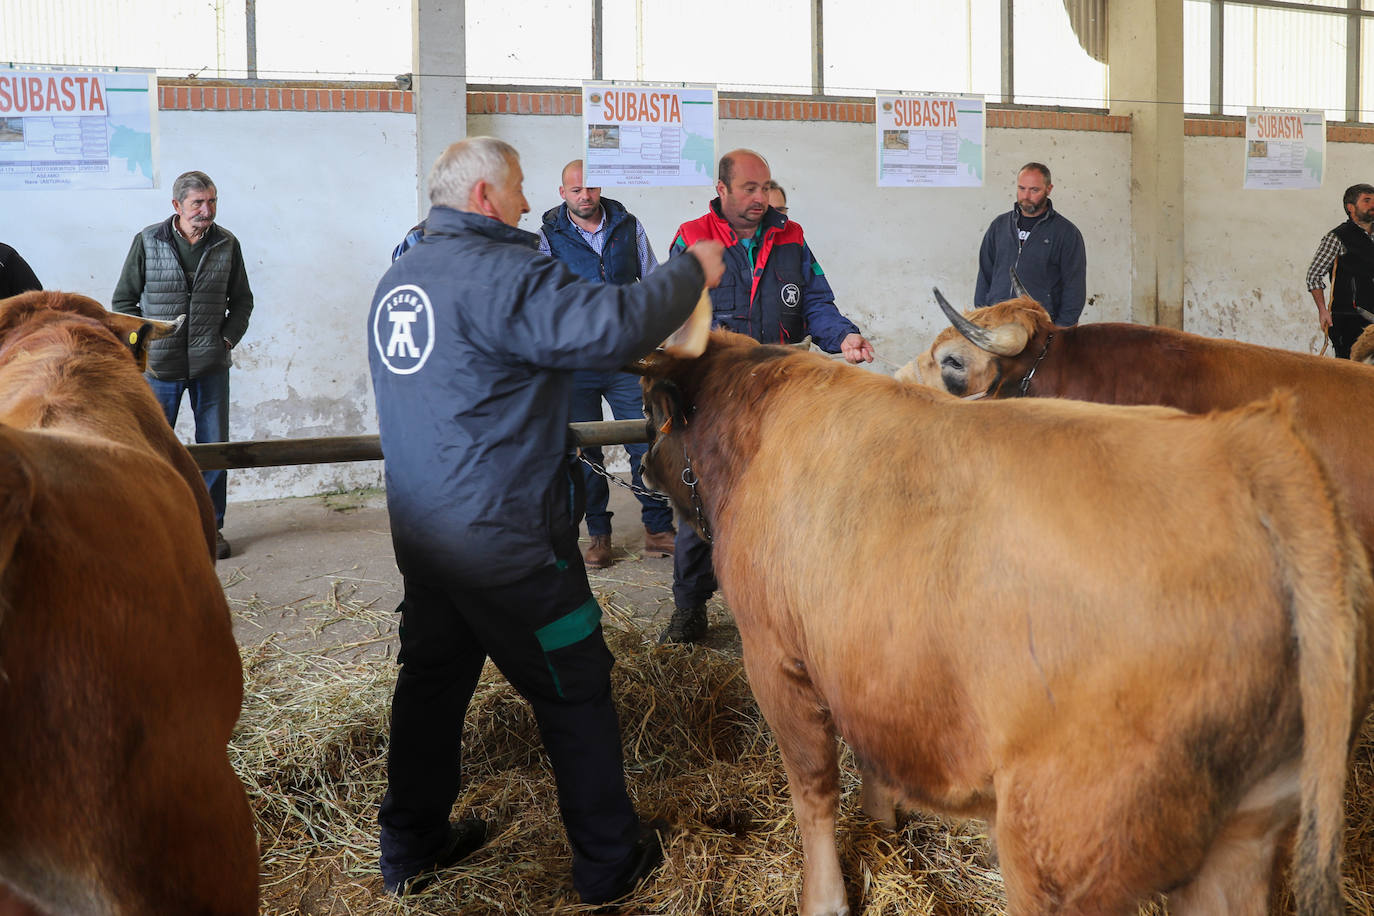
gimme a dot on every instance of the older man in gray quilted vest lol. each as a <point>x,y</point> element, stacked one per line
<point>188,265</point>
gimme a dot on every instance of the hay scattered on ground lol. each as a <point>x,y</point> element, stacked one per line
<point>311,748</point>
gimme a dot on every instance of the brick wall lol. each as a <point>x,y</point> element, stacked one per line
<point>179,96</point>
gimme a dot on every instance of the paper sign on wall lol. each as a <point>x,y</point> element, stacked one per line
<point>63,128</point>
<point>929,141</point>
<point>648,134</point>
<point>1284,149</point>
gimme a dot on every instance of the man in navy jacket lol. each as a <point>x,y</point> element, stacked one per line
<point>472,341</point>
<point>773,290</point>
<point>603,242</point>
<point>1044,247</point>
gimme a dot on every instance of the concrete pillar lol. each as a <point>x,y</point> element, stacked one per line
<point>440,83</point>
<point>1145,67</point>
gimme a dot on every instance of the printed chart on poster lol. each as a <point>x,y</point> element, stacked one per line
<point>1284,149</point>
<point>930,141</point>
<point>77,128</point>
<point>648,134</point>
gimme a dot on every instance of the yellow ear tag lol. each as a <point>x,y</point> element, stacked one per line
<point>133,338</point>
<point>667,427</point>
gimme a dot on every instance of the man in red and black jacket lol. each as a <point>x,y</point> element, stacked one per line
<point>774,291</point>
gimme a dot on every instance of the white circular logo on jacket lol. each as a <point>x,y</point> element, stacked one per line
<point>791,295</point>
<point>403,329</point>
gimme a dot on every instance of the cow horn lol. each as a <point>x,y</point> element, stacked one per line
<point>1004,340</point>
<point>651,365</point>
<point>1018,289</point>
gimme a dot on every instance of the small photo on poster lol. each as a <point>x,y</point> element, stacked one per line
<point>603,136</point>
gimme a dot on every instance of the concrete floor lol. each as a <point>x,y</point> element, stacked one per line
<point>318,573</point>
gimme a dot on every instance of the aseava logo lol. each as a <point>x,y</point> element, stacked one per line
<point>403,329</point>
<point>790,295</point>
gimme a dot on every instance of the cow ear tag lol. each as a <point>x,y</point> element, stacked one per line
<point>133,338</point>
<point>667,427</point>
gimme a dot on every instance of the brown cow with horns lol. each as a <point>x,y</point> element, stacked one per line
<point>120,680</point>
<point>1141,669</point>
<point>1012,350</point>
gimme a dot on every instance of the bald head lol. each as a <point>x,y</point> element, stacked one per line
<point>584,203</point>
<point>741,182</point>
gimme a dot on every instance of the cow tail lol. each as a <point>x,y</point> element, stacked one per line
<point>1328,578</point>
<point>16,499</point>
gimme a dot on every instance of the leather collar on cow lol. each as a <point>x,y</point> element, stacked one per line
<point>689,478</point>
<point>1025,382</point>
<point>1023,390</point>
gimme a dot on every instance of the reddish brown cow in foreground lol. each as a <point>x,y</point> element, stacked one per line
<point>1362,351</point>
<point>120,680</point>
<point>1139,364</point>
<point>1130,639</point>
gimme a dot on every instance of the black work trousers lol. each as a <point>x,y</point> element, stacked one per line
<point>1344,331</point>
<point>694,576</point>
<point>544,634</point>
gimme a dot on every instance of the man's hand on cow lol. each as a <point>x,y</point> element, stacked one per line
<point>710,255</point>
<point>856,349</point>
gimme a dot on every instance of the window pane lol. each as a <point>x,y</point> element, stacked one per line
<point>1051,67</point>
<point>1197,56</point>
<point>533,42</point>
<point>1366,112</point>
<point>759,46</point>
<point>1283,59</point>
<point>927,47</point>
<point>174,37</point>
<point>363,39</point>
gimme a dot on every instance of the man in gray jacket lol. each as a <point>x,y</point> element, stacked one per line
<point>1044,247</point>
<point>189,265</point>
<point>472,339</point>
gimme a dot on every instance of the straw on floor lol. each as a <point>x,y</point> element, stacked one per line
<point>311,749</point>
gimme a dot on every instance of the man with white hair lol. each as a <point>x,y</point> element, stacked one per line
<point>473,337</point>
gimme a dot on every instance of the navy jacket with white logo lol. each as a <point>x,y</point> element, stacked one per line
<point>472,340</point>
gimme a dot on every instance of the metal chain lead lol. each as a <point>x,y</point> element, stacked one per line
<point>633,488</point>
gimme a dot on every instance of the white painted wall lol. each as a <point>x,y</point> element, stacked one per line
<point>882,248</point>
<point>1247,252</point>
<point>319,199</point>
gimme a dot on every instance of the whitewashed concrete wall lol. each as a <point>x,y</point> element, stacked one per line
<point>1247,252</point>
<point>882,248</point>
<point>319,199</point>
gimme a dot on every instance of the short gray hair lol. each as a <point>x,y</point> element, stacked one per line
<point>465,163</point>
<point>190,181</point>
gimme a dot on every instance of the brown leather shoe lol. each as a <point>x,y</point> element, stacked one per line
<point>598,552</point>
<point>659,543</point>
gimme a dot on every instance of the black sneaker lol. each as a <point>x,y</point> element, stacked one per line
<point>647,856</point>
<point>222,550</point>
<point>464,838</point>
<point>687,625</point>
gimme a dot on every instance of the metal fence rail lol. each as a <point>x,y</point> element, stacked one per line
<point>268,453</point>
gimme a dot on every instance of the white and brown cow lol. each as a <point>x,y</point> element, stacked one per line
<point>120,680</point>
<point>1129,639</point>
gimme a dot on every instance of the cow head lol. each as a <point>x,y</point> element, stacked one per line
<point>43,305</point>
<point>983,351</point>
<point>685,440</point>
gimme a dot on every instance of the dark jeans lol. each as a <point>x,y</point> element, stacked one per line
<point>694,578</point>
<point>621,390</point>
<point>544,634</point>
<point>1344,331</point>
<point>210,406</point>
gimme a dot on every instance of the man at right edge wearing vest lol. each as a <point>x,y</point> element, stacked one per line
<point>1346,253</point>
<point>774,291</point>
